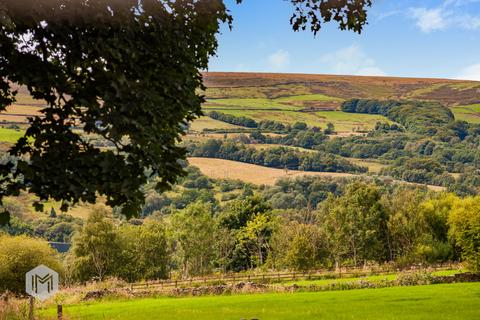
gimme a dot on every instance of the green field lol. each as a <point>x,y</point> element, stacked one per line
<point>310,97</point>
<point>209,123</point>
<point>289,110</point>
<point>469,113</point>
<point>442,301</point>
<point>246,104</point>
<point>10,135</point>
<point>343,121</point>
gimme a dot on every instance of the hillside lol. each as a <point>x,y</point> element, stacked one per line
<point>259,113</point>
<point>265,85</point>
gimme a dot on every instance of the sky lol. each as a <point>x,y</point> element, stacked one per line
<point>406,38</point>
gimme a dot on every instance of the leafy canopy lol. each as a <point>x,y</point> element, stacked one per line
<point>126,70</point>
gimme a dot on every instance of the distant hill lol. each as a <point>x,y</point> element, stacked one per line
<point>276,85</point>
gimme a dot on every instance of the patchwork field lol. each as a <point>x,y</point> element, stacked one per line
<point>343,122</point>
<point>314,99</point>
<point>288,98</point>
<point>265,85</point>
<point>441,301</point>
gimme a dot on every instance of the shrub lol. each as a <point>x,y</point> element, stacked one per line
<point>20,254</point>
<point>414,278</point>
<point>464,221</point>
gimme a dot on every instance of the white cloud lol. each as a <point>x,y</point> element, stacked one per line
<point>470,73</point>
<point>448,14</point>
<point>469,22</point>
<point>429,20</point>
<point>353,61</point>
<point>279,60</point>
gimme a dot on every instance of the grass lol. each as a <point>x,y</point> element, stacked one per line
<point>425,90</point>
<point>442,301</point>
<point>343,121</point>
<point>288,110</point>
<point>465,85</point>
<point>259,175</point>
<point>10,135</point>
<point>250,173</point>
<point>310,97</point>
<point>468,113</point>
<point>248,103</point>
<point>372,278</point>
<point>373,166</point>
<point>258,91</point>
<point>209,123</point>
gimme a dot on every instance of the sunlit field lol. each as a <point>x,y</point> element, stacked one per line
<point>451,301</point>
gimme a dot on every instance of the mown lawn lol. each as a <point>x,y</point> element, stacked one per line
<point>436,302</point>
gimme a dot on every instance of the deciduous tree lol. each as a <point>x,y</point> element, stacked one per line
<point>128,71</point>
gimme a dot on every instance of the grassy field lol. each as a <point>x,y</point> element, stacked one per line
<point>436,302</point>
<point>268,85</point>
<point>246,104</point>
<point>321,110</point>
<point>374,278</point>
<point>209,123</point>
<point>468,113</point>
<point>250,173</point>
<point>372,165</point>
<point>10,135</point>
<point>343,121</point>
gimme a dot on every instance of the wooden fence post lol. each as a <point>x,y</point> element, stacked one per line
<point>59,312</point>
<point>30,310</point>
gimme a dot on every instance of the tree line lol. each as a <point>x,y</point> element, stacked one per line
<point>265,125</point>
<point>360,223</point>
<point>417,116</point>
<point>277,157</point>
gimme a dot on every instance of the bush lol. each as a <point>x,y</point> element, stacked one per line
<point>414,278</point>
<point>464,221</point>
<point>20,254</point>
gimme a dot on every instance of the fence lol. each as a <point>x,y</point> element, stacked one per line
<point>272,277</point>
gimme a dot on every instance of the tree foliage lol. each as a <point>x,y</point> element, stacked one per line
<point>277,157</point>
<point>125,70</point>
<point>20,254</point>
<point>465,229</point>
<point>128,71</point>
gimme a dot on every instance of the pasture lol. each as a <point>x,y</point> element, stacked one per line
<point>315,110</point>
<point>441,301</point>
<point>468,113</point>
<point>10,135</point>
<point>250,173</point>
<point>208,123</point>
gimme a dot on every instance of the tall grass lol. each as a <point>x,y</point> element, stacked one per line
<point>13,309</point>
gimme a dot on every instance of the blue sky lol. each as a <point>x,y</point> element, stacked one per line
<point>438,39</point>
